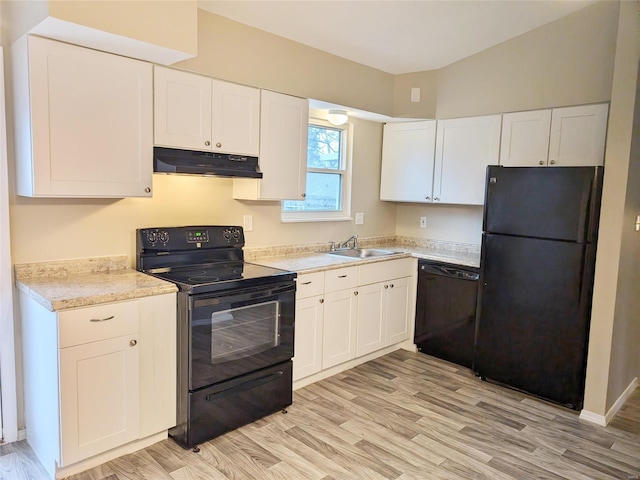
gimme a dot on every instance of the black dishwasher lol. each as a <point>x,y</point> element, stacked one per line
<point>446,311</point>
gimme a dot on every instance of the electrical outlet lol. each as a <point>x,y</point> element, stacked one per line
<point>359,218</point>
<point>247,221</point>
<point>423,222</point>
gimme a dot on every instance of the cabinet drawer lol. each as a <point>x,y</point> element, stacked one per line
<point>340,279</point>
<point>84,325</point>
<point>310,284</point>
<point>386,270</point>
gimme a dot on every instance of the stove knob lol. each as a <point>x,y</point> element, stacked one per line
<point>164,237</point>
<point>236,233</point>
<point>152,237</point>
<point>227,234</point>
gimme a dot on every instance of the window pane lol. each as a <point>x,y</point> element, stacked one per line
<point>323,150</point>
<point>323,193</point>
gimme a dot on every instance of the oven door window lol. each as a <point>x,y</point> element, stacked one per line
<point>236,333</point>
<point>244,331</point>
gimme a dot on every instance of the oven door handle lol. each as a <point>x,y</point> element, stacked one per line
<point>244,386</point>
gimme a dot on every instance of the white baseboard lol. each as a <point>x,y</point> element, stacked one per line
<point>603,420</point>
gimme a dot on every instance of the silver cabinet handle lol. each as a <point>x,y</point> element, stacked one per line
<point>207,143</point>
<point>304,195</point>
<point>218,144</point>
<point>133,343</point>
<point>427,198</point>
<point>306,283</point>
<point>386,286</point>
<point>147,190</point>
<point>355,293</point>
<point>541,162</point>
<point>102,319</point>
<point>436,199</point>
<point>342,276</point>
<point>322,300</point>
<point>552,162</point>
<point>391,285</point>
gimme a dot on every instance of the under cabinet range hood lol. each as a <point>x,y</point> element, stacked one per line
<point>191,162</point>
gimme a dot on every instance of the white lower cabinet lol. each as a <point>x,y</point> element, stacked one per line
<point>308,336</point>
<point>370,318</point>
<point>345,313</point>
<point>97,378</point>
<point>383,313</point>
<point>396,303</point>
<point>98,397</point>
<point>339,332</point>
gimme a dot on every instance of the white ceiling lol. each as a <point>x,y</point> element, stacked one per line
<point>397,36</point>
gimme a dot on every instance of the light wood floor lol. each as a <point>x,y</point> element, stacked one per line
<point>403,416</point>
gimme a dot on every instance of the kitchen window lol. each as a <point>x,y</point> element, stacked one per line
<point>328,190</point>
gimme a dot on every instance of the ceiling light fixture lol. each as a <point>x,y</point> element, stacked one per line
<point>337,117</point>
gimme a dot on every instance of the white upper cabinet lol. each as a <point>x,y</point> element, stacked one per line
<point>284,126</point>
<point>578,135</point>
<point>407,161</point>
<point>182,109</point>
<point>464,148</point>
<point>197,112</point>
<point>570,136</point>
<point>525,138</point>
<point>84,121</point>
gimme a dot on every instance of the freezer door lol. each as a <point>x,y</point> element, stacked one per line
<point>561,203</point>
<point>533,318</point>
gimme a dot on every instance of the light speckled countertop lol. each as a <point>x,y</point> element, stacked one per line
<point>315,258</point>
<point>89,281</point>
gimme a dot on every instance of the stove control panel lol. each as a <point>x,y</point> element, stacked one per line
<point>170,239</point>
<point>197,236</point>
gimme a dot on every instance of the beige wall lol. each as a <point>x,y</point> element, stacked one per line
<point>615,323</point>
<point>566,62</point>
<point>427,82</point>
<point>231,51</point>
<point>168,23</point>
<point>453,223</point>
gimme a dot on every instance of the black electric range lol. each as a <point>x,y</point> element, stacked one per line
<point>235,328</point>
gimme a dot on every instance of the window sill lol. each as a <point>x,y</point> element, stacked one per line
<point>316,219</point>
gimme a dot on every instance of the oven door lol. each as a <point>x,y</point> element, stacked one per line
<point>239,331</point>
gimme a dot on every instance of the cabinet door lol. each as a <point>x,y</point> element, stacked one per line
<point>235,119</point>
<point>308,337</point>
<point>91,123</point>
<point>371,328</point>
<point>396,311</point>
<point>339,331</point>
<point>157,353</point>
<point>98,397</point>
<point>407,161</point>
<point>284,127</point>
<point>182,109</point>
<point>525,138</point>
<point>578,135</point>
<point>464,148</point>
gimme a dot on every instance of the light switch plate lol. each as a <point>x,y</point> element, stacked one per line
<point>423,222</point>
<point>359,218</point>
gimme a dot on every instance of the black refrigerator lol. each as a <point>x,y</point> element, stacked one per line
<point>538,254</point>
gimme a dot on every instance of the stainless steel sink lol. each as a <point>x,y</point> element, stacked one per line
<point>362,252</point>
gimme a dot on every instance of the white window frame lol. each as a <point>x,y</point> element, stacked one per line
<point>344,214</point>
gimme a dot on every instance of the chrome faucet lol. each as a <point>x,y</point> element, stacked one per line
<point>355,242</point>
